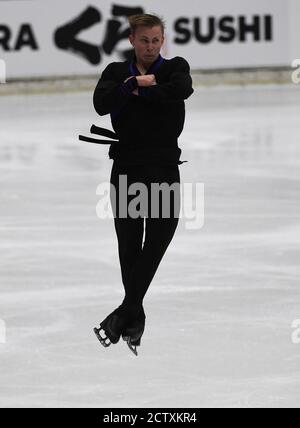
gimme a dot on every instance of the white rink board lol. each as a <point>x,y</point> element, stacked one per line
<point>27,30</point>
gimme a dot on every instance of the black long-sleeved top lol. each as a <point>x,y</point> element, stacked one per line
<point>147,125</point>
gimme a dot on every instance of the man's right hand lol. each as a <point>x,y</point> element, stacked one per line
<point>146,80</point>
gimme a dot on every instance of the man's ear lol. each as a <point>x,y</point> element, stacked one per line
<point>130,38</point>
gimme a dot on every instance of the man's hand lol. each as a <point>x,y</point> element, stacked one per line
<point>130,77</point>
<point>146,80</point>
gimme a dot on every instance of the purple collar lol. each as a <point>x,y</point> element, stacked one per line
<point>151,70</point>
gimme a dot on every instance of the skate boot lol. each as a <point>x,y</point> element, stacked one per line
<point>112,327</point>
<point>133,332</point>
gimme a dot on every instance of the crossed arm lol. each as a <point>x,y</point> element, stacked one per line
<point>142,81</point>
<point>110,95</point>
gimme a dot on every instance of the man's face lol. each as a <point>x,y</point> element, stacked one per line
<point>147,43</point>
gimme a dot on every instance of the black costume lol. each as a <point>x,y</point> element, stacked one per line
<point>147,126</point>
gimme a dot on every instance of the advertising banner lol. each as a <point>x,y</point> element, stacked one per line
<point>80,37</point>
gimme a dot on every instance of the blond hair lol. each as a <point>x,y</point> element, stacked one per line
<point>145,20</point>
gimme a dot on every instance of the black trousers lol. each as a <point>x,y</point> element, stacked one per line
<point>139,260</point>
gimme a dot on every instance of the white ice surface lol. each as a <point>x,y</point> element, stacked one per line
<point>231,288</point>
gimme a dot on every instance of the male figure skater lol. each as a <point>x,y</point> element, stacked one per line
<point>145,98</point>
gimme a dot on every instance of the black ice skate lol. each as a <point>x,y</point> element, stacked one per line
<point>133,332</point>
<point>111,327</point>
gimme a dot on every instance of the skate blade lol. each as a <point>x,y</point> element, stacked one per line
<point>133,349</point>
<point>101,339</point>
<point>112,338</point>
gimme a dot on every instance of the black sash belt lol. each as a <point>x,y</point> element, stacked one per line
<point>100,131</point>
<point>106,133</point>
